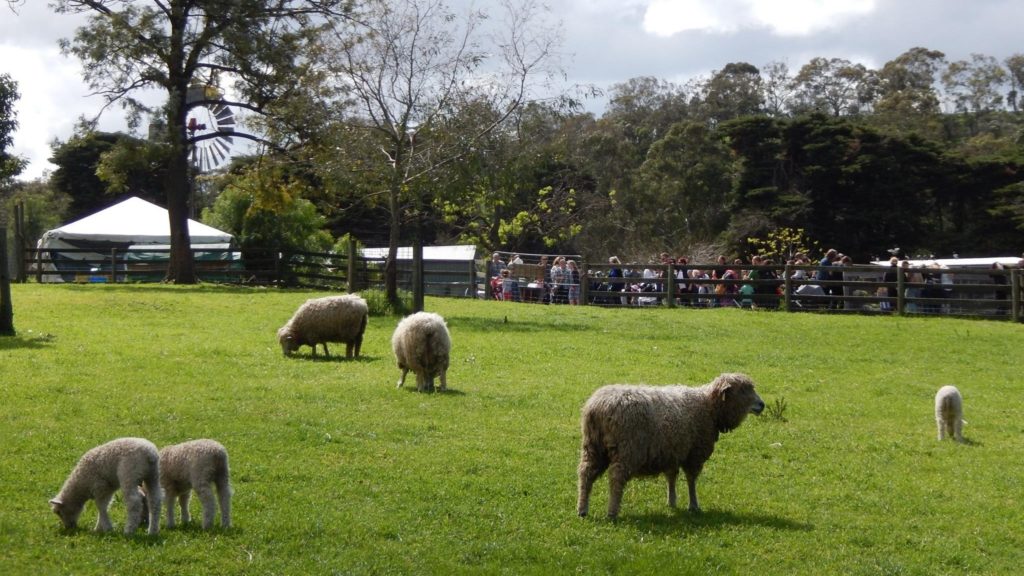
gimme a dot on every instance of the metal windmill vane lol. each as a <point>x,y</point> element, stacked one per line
<point>209,115</point>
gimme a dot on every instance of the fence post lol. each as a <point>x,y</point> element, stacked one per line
<point>901,280</point>
<point>39,266</point>
<point>584,282</point>
<point>352,288</point>
<point>1015,281</point>
<point>113,265</point>
<point>670,286</point>
<point>19,242</point>
<point>787,288</point>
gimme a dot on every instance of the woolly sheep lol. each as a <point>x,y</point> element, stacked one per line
<point>422,344</point>
<point>199,465</point>
<point>126,463</point>
<point>644,431</point>
<point>323,320</point>
<point>949,413</point>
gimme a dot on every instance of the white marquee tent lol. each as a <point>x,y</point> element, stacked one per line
<point>131,223</point>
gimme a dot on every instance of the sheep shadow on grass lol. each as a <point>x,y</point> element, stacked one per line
<point>683,519</point>
<point>333,358</point>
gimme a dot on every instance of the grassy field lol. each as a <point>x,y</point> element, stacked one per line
<point>337,472</point>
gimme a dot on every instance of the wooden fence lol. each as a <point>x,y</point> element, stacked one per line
<point>954,291</point>
<point>328,270</point>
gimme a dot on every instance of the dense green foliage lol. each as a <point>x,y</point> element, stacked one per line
<point>336,471</point>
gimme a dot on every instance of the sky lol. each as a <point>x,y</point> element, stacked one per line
<point>605,42</point>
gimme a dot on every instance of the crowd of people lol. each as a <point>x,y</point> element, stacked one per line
<point>759,283</point>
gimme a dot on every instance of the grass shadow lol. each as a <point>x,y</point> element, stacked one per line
<point>682,518</point>
<point>447,392</point>
<point>508,323</point>
<point>332,358</point>
<point>31,341</point>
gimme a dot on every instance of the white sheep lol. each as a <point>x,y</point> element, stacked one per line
<point>422,344</point>
<point>126,463</point>
<point>949,413</point>
<point>327,319</point>
<point>644,431</point>
<point>196,465</point>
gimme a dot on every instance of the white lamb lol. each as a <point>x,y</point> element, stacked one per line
<point>949,413</point>
<point>198,465</point>
<point>327,319</point>
<point>126,463</point>
<point>422,344</point>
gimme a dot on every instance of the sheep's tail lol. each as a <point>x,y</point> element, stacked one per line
<point>592,443</point>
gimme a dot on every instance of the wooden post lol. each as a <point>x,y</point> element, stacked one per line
<point>6,305</point>
<point>39,266</point>
<point>670,286</point>
<point>352,288</point>
<point>113,265</point>
<point>1015,280</point>
<point>787,288</point>
<point>901,299</point>
<point>472,278</point>
<point>20,242</point>
<point>584,282</point>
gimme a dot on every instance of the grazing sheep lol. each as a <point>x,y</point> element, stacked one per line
<point>197,465</point>
<point>949,413</point>
<point>644,431</point>
<point>323,320</point>
<point>125,462</point>
<point>421,343</point>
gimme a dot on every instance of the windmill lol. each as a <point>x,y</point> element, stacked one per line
<point>209,115</point>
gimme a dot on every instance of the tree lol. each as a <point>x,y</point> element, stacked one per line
<point>735,90</point>
<point>907,100</point>
<point>78,161</point>
<point>975,86</point>
<point>415,65</point>
<point>175,45</point>
<point>10,166</point>
<point>1015,67</point>
<point>833,86</point>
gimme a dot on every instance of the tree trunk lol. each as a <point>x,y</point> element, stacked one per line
<point>391,265</point>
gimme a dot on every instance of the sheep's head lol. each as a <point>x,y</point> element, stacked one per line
<point>68,514</point>
<point>289,343</point>
<point>734,398</point>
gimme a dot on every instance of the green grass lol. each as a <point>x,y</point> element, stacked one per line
<point>336,471</point>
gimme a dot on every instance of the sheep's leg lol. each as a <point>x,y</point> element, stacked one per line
<point>670,477</point>
<point>103,523</point>
<point>588,473</point>
<point>444,380</point>
<point>183,499</point>
<point>154,495</point>
<point>224,498</point>
<point>942,428</point>
<point>133,502</point>
<point>349,347</point>
<point>209,503</point>
<point>617,478</point>
<point>401,380</point>
<point>958,429</point>
<point>691,486</point>
<point>170,501</point>
<point>327,353</point>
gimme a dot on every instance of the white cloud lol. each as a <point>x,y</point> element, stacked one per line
<point>782,17</point>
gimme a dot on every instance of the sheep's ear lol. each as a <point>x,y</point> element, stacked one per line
<point>56,505</point>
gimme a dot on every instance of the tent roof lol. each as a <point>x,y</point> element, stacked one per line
<point>133,221</point>
<point>456,252</point>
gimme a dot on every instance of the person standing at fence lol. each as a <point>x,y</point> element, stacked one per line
<point>573,274</point>
<point>558,277</point>
<point>494,267</point>
<point>824,275</point>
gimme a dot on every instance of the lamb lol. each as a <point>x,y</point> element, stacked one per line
<point>124,462</point>
<point>949,413</point>
<point>644,431</point>
<point>323,320</point>
<point>422,344</point>
<point>197,465</point>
